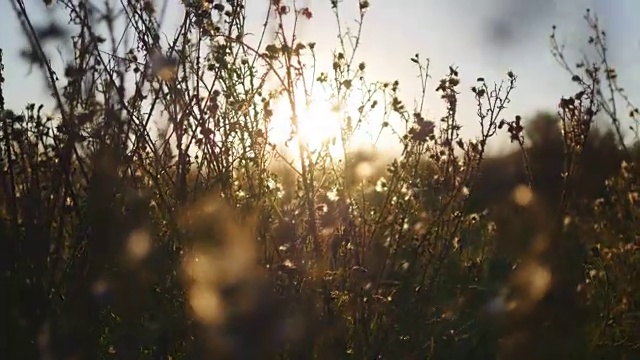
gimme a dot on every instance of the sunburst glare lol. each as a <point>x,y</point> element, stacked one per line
<point>323,120</point>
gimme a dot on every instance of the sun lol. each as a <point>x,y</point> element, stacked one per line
<point>321,121</point>
<point>318,127</point>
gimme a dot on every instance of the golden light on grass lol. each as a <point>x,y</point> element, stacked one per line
<point>222,254</point>
<point>206,303</point>
<point>138,244</point>
<point>522,195</point>
<point>364,170</point>
<point>534,280</point>
<point>201,267</point>
<point>540,280</point>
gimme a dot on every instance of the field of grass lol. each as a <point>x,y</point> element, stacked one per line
<point>203,237</point>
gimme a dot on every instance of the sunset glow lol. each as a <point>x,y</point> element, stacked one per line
<point>321,120</point>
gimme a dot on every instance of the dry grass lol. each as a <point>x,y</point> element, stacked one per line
<point>202,239</point>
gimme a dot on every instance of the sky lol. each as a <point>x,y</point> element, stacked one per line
<point>482,38</point>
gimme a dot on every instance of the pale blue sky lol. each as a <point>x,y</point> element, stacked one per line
<point>448,32</point>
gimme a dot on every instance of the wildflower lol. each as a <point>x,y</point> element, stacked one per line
<point>306,13</point>
<point>283,10</point>
<point>423,131</point>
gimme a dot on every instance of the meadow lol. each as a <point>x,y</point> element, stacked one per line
<point>230,231</point>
